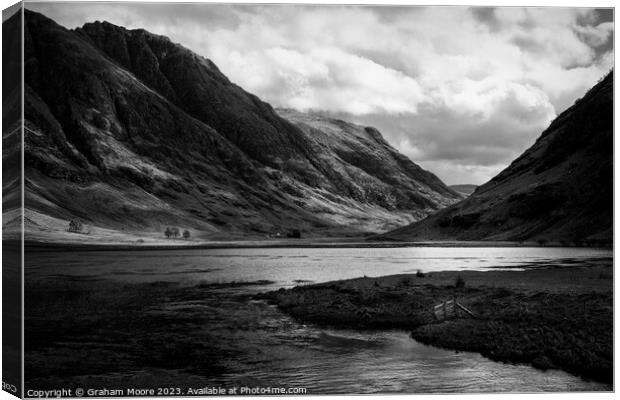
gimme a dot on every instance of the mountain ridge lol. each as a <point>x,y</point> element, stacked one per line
<point>147,134</point>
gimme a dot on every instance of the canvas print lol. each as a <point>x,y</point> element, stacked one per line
<point>249,199</point>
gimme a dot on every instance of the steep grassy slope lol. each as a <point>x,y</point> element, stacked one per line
<point>129,131</point>
<point>363,162</point>
<point>560,189</point>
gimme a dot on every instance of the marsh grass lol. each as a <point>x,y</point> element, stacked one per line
<point>548,318</point>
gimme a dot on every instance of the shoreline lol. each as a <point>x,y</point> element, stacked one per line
<point>550,318</point>
<point>31,245</point>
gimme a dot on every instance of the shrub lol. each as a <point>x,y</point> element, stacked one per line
<point>75,225</point>
<point>420,274</point>
<point>186,234</point>
<point>295,234</point>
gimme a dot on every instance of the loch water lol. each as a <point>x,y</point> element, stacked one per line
<point>273,350</point>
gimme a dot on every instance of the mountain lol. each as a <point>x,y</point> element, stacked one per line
<point>131,132</point>
<point>464,189</point>
<point>559,190</point>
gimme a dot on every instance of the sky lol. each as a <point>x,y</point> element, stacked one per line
<point>461,91</point>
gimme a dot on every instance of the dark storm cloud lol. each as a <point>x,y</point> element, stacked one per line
<point>605,14</point>
<point>486,16</point>
<point>597,30</point>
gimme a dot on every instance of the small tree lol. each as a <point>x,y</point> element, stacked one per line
<point>186,234</point>
<point>295,234</point>
<point>175,232</point>
<point>75,225</point>
<point>168,232</point>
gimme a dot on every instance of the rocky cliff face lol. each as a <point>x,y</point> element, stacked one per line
<point>129,131</point>
<point>560,189</point>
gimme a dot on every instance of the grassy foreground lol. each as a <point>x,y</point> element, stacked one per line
<point>550,318</point>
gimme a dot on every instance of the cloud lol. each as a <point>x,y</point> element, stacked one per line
<point>306,81</point>
<point>460,90</point>
<point>477,141</point>
<point>596,36</point>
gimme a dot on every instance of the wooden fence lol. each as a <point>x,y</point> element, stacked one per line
<point>451,309</point>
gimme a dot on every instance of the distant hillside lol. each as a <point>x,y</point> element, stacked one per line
<point>131,132</point>
<point>560,189</point>
<point>464,189</point>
